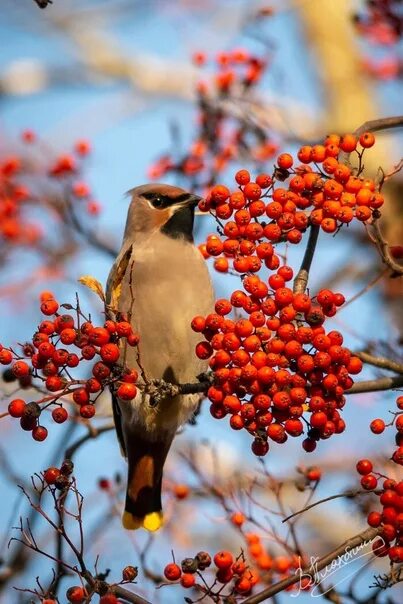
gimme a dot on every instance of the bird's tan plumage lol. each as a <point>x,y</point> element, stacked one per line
<point>161,281</point>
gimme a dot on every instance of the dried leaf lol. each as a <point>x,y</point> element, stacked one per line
<point>94,285</point>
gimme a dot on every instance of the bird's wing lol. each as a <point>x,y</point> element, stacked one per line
<point>113,291</point>
<point>115,278</point>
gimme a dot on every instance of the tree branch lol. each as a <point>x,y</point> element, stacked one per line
<point>301,280</point>
<point>383,123</point>
<point>309,571</point>
<point>383,246</point>
<point>381,362</point>
<point>383,383</point>
<point>129,596</point>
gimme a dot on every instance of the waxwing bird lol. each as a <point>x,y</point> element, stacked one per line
<point>160,282</point>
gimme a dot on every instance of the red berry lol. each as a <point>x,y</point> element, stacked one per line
<point>39,433</point>
<point>76,595</point>
<point>68,336</point>
<point>20,369</point>
<point>59,415</point>
<point>99,336</point>
<point>369,482</point>
<point>223,559</point>
<point>87,411</point>
<point>243,585</point>
<point>364,466</point>
<point>126,391</point>
<point>285,161</point>
<point>367,139</point>
<point>374,519</point>
<point>16,407</point>
<point>49,307</point>
<point>51,474</point>
<point>6,356</point>
<point>172,572</point>
<point>188,580</point>
<point>242,177</point>
<point>377,426</point>
<point>110,353</point>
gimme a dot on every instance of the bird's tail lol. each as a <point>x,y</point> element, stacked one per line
<point>146,460</point>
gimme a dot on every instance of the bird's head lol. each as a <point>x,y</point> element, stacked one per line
<point>163,208</point>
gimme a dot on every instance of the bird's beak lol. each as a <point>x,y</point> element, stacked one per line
<point>192,201</point>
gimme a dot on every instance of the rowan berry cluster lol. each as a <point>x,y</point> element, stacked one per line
<point>27,183</point>
<point>278,566</point>
<point>64,343</point>
<point>378,425</point>
<point>223,135</point>
<point>235,573</point>
<point>277,373</point>
<point>260,213</point>
<point>59,478</point>
<point>380,24</point>
<point>390,519</point>
<point>228,571</point>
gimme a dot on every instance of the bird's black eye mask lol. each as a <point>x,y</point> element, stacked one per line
<point>160,201</point>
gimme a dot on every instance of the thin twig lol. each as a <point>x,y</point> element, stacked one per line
<point>348,494</point>
<point>366,288</point>
<point>90,434</point>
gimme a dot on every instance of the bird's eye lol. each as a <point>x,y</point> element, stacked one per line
<point>158,202</point>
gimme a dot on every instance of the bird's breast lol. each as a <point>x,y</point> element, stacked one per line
<point>166,286</point>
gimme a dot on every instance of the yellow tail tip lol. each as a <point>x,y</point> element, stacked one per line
<point>151,522</point>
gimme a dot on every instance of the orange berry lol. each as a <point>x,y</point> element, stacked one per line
<point>237,518</point>
<point>285,161</point>
<point>223,559</point>
<point>188,580</point>
<point>367,139</point>
<point>181,491</point>
<point>348,143</point>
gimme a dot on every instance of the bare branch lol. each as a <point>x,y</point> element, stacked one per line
<point>383,246</point>
<point>381,362</point>
<point>301,280</point>
<point>383,383</point>
<point>365,536</point>
<point>383,123</point>
<point>129,596</point>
